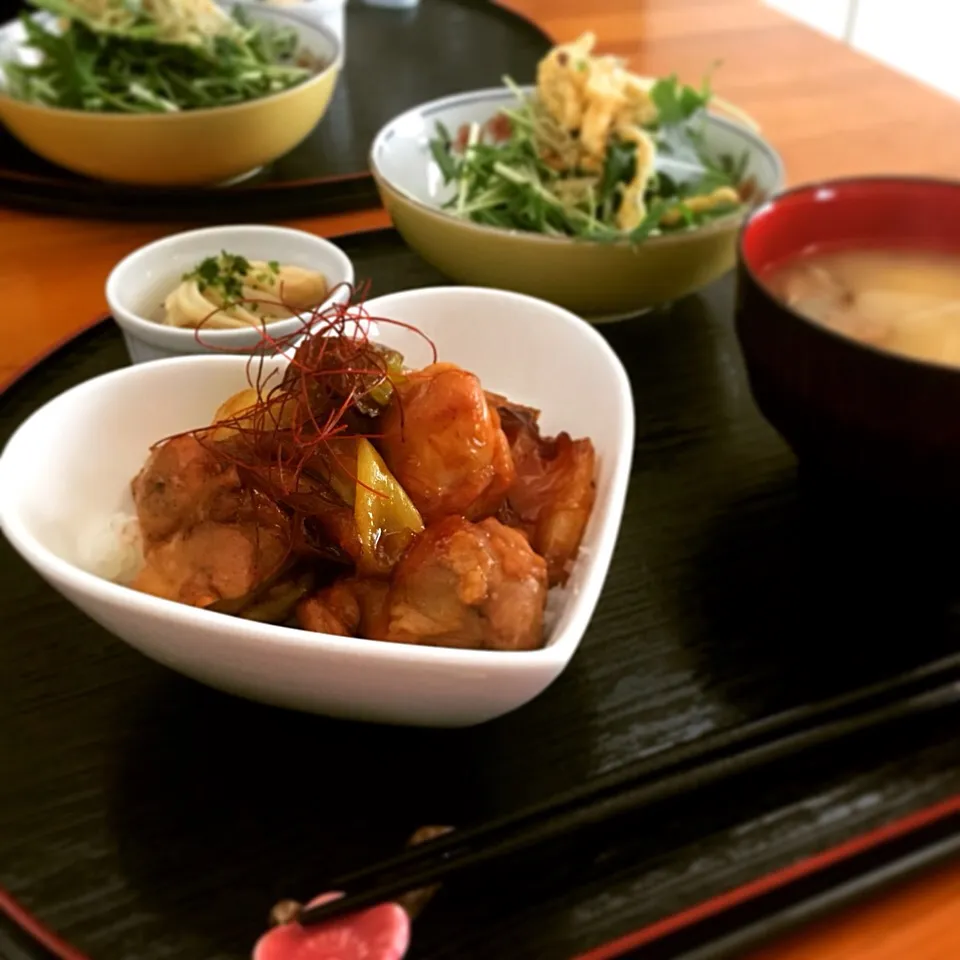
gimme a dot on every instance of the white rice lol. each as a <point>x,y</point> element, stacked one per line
<point>113,550</point>
<point>559,597</point>
<point>556,601</point>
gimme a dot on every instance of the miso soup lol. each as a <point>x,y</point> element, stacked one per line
<point>902,301</point>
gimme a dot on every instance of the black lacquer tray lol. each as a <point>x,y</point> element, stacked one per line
<point>142,815</point>
<point>395,60</point>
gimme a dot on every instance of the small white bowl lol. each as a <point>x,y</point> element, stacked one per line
<point>138,284</point>
<point>66,472</point>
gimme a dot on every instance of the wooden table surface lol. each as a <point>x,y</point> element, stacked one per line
<point>829,110</point>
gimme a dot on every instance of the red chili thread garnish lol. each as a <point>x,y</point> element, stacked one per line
<point>294,445</point>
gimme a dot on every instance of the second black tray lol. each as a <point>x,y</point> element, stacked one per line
<point>395,60</point>
<point>143,815</point>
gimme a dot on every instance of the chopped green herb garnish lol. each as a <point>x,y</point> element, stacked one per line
<point>224,274</point>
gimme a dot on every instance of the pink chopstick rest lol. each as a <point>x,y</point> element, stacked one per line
<point>380,933</point>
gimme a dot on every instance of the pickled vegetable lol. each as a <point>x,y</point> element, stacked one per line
<point>381,393</point>
<point>231,409</point>
<point>277,604</point>
<point>387,521</point>
<point>272,601</point>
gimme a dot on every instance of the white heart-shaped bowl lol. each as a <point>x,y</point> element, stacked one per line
<point>66,473</point>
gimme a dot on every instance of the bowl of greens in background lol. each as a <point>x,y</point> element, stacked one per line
<point>472,184</point>
<point>164,94</point>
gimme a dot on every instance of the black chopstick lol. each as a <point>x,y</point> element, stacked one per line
<point>638,785</point>
<point>801,719</point>
<point>744,926</point>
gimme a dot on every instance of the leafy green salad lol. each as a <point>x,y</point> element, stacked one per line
<point>526,169</point>
<point>150,56</point>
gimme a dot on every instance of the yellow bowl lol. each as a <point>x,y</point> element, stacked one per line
<point>596,280</point>
<point>191,148</point>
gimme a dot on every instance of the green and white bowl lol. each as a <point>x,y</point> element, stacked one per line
<point>596,280</point>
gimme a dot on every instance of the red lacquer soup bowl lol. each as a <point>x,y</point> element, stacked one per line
<point>862,413</point>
